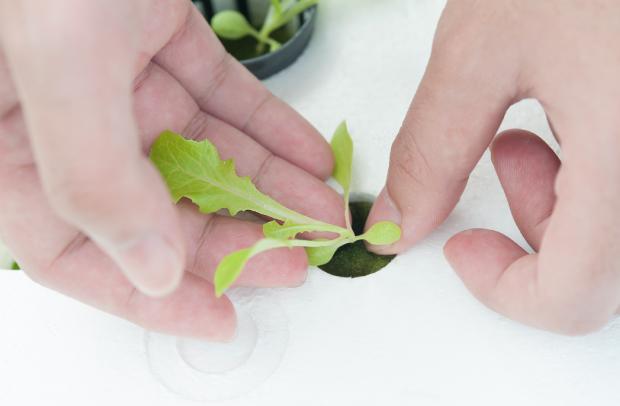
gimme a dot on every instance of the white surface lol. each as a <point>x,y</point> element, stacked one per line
<point>408,335</point>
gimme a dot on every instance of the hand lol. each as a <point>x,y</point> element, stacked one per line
<point>488,55</point>
<point>85,87</point>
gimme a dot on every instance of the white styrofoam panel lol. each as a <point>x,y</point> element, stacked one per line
<point>410,334</point>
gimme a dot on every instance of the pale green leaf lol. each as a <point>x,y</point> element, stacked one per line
<point>318,256</point>
<point>383,233</point>
<point>194,170</point>
<point>288,229</point>
<point>342,147</point>
<point>231,24</point>
<point>232,265</point>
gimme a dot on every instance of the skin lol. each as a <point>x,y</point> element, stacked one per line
<point>488,55</point>
<point>85,88</point>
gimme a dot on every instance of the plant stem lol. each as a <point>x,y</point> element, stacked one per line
<point>276,19</point>
<point>277,6</point>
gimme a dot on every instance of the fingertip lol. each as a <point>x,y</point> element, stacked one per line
<point>460,247</point>
<point>384,209</point>
<point>214,317</point>
<point>516,145</point>
<point>226,321</point>
<point>151,264</point>
<point>479,257</point>
<point>191,311</point>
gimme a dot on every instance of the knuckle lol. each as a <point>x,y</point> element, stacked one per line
<point>408,160</point>
<point>432,169</point>
<point>218,73</point>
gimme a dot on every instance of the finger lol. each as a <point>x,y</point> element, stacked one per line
<point>191,311</point>
<point>14,146</point>
<point>77,105</point>
<point>225,89</point>
<point>543,292</point>
<point>454,115</point>
<point>205,250</point>
<point>527,169</point>
<point>162,103</point>
<point>59,257</point>
<point>8,94</point>
<point>571,286</point>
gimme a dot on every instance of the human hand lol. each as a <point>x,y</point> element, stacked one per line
<point>85,88</point>
<point>487,55</point>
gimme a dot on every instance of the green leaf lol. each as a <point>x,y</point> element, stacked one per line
<point>231,24</point>
<point>232,265</point>
<point>318,256</point>
<point>342,147</point>
<point>194,170</point>
<point>289,230</point>
<point>383,233</point>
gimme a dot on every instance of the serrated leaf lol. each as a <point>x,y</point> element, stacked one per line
<point>232,265</point>
<point>194,170</point>
<point>383,233</point>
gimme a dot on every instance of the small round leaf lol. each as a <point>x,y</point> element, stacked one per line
<point>230,24</point>
<point>383,233</point>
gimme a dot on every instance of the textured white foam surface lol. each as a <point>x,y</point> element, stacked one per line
<point>410,334</point>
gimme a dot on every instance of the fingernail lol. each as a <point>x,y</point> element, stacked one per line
<point>151,264</point>
<point>384,209</point>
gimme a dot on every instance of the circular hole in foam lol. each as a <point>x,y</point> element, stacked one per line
<point>205,371</point>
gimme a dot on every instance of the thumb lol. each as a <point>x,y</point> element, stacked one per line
<point>452,120</point>
<point>76,94</point>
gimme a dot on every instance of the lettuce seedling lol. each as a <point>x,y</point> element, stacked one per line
<point>194,170</point>
<point>231,24</point>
